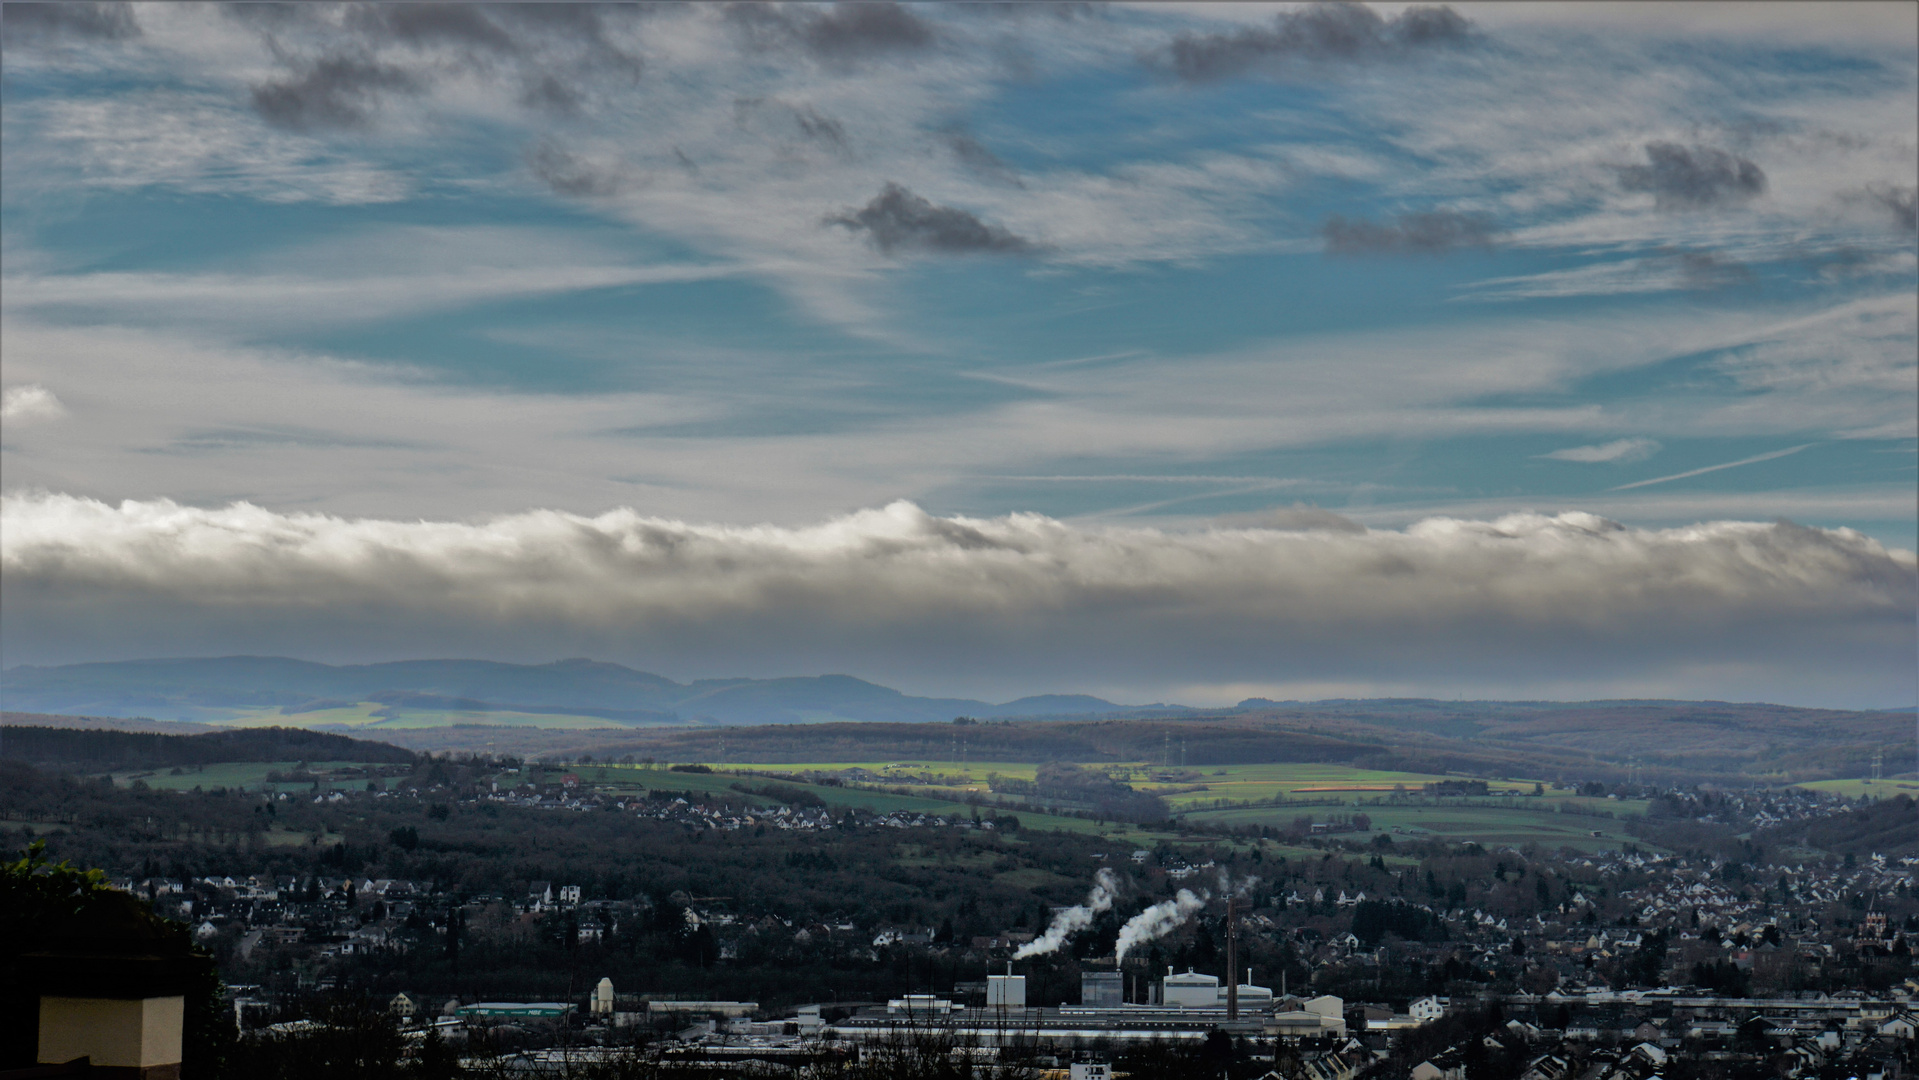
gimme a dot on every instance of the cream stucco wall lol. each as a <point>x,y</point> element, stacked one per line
<point>127,1034</point>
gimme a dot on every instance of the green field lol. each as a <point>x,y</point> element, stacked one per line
<point>1871,789</point>
<point>250,776</point>
<point>1518,818</point>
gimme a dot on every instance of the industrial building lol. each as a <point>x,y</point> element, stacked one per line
<point>1185,1007</point>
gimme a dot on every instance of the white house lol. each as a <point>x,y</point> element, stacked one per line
<point>1649,1053</point>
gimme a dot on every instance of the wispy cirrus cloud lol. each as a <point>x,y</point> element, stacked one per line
<point>1619,451</point>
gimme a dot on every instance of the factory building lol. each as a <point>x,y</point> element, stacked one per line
<point>1199,991</point>
<point>1101,990</point>
<point>1188,1006</point>
<point>1006,991</point>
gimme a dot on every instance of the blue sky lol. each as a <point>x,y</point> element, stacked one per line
<point>1172,268</point>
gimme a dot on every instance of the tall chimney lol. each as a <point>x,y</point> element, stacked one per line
<point>1232,958</point>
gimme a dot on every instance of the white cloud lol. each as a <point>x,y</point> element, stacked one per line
<point>30,403</point>
<point>194,141</point>
<point>396,272</point>
<point>187,412</point>
<point>1618,451</point>
<point>1024,601</point>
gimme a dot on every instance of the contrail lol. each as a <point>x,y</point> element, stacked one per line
<point>1074,919</point>
<point>1158,920</point>
<point>1714,468</point>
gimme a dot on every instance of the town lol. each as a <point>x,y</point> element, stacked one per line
<point>1381,954</point>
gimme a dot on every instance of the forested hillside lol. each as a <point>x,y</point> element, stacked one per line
<point>97,749</point>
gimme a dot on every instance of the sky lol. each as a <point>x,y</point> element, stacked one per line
<point>1168,352</point>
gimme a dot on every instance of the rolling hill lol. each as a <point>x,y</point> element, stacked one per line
<point>266,689</point>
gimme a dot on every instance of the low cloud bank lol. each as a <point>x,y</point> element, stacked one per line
<point>897,593</point>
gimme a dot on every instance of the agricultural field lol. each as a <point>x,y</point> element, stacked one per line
<point>1190,789</point>
<point>252,776</point>
<point>1870,789</point>
<point>1513,814</point>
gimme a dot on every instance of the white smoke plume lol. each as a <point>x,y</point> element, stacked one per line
<point>1159,920</point>
<point>1244,887</point>
<point>1074,919</point>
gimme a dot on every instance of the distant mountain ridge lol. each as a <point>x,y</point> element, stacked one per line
<point>208,689</point>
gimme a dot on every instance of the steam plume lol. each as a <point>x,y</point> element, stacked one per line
<point>1074,919</point>
<point>1158,920</point>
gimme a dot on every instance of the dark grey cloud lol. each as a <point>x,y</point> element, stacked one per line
<point>769,117</point>
<point>898,219</point>
<point>857,29</point>
<point>548,93</point>
<point>423,25</point>
<point>1063,10</point>
<point>1705,271</point>
<point>1433,232</point>
<point>76,21</point>
<point>1326,32</point>
<point>571,175</point>
<point>819,127</point>
<point>843,33</point>
<point>974,155</point>
<point>332,92</point>
<point>1693,177</point>
<point>558,52</point>
<point>574,33</point>
<point>1899,202</point>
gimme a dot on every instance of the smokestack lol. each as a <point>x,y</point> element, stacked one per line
<point>1232,958</point>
